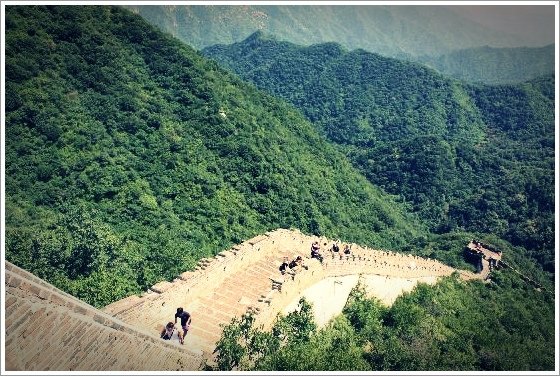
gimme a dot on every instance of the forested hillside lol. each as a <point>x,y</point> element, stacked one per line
<point>129,157</point>
<point>389,30</point>
<point>452,326</point>
<point>494,65</point>
<point>475,158</point>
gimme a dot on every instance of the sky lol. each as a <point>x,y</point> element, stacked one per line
<point>533,23</point>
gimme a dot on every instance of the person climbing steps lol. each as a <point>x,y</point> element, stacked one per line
<point>168,330</point>
<point>185,322</point>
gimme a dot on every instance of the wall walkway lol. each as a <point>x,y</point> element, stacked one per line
<point>47,329</point>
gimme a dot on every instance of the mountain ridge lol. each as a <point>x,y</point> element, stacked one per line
<point>129,156</point>
<point>494,65</point>
<point>390,30</point>
<point>420,134</point>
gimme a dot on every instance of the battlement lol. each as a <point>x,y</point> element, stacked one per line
<point>47,329</point>
<point>240,280</point>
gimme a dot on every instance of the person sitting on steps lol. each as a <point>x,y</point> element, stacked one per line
<point>185,321</point>
<point>316,251</point>
<point>284,265</point>
<point>297,264</point>
<point>335,246</point>
<point>167,332</point>
<point>347,249</point>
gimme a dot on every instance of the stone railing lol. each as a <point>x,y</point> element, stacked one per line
<point>49,330</point>
<point>242,279</point>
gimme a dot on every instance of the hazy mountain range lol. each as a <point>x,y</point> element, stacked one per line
<point>130,156</point>
<point>494,65</point>
<point>389,30</point>
<point>435,35</point>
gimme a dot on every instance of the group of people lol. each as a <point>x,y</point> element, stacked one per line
<point>293,265</point>
<point>315,253</point>
<point>316,249</point>
<point>336,247</point>
<point>169,329</point>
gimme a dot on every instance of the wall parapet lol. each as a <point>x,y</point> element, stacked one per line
<point>47,329</point>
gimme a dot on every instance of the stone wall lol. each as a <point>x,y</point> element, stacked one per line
<point>362,260</point>
<point>245,279</point>
<point>49,330</point>
<point>242,279</point>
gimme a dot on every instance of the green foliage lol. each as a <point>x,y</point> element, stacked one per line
<point>494,65</point>
<point>452,326</point>
<point>243,346</point>
<point>232,346</point>
<point>465,158</point>
<point>297,326</point>
<point>294,343</point>
<point>129,157</point>
<point>365,315</point>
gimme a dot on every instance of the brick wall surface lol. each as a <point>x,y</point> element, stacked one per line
<point>49,330</point>
<point>124,336</point>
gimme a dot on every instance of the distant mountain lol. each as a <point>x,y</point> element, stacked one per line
<point>389,30</point>
<point>129,157</point>
<point>479,158</point>
<point>494,65</point>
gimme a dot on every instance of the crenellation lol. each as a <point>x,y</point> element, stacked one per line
<point>242,279</point>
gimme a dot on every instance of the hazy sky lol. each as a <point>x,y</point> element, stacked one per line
<point>533,23</point>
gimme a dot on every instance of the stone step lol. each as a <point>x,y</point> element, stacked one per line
<point>122,305</point>
<point>223,308</point>
<point>56,338</point>
<point>207,337</point>
<point>250,283</point>
<point>226,298</point>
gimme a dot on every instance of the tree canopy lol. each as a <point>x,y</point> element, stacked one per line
<point>129,157</point>
<point>465,157</point>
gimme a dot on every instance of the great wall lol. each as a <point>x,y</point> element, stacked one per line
<point>47,329</point>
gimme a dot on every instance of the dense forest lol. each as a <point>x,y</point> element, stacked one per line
<point>474,158</point>
<point>130,155</point>
<point>452,326</point>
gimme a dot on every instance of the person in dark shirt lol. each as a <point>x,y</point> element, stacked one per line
<point>335,246</point>
<point>185,321</point>
<point>284,266</point>
<point>296,262</point>
<point>316,251</point>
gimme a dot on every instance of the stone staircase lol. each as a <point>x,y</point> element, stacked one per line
<point>49,330</point>
<point>242,279</point>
